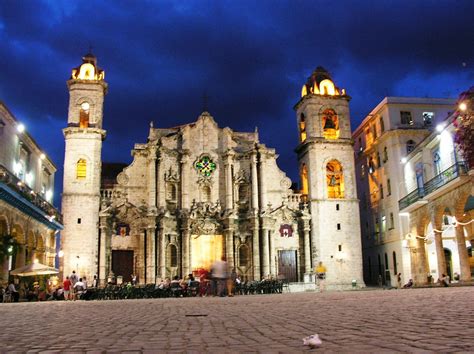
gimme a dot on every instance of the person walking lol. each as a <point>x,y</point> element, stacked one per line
<point>66,288</point>
<point>15,295</point>
<point>220,274</point>
<point>321,275</point>
<point>74,279</point>
<point>399,280</point>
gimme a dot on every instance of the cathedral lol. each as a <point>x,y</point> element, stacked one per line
<point>197,192</point>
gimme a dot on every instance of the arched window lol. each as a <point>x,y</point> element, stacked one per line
<point>330,124</point>
<point>326,87</point>
<point>244,256</point>
<point>171,191</point>
<point>302,128</point>
<point>84,115</point>
<point>243,190</point>
<point>410,146</point>
<point>173,255</point>
<point>206,194</point>
<point>81,169</point>
<point>335,179</point>
<point>304,179</point>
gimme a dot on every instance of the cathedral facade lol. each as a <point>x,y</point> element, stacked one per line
<point>196,193</point>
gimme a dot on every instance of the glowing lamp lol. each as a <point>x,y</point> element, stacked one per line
<point>85,106</point>
<point>36,260</point>
<point>439,128</point>
<point>61,253</point>
<point>20,128</point>
<point>462,106</point>
<point>404,160</point>
<point>42,156</point>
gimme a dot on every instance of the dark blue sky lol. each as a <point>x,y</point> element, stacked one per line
<point>251,57</point>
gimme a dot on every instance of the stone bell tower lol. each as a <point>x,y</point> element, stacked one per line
<point>327,171</point>
<point>82,168</point>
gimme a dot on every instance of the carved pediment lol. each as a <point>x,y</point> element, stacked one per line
<point>205,227</point>
<point>241,177</point>
<point>205,210</point>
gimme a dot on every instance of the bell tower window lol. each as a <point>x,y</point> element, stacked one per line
<point>81,169</point>
<point>84,115</point>
<point>302,128</point>
<point>335,179</point>
<point>304,180</point>
<point>330,124</point>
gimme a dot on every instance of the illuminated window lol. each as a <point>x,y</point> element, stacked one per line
<point>437,163</point>
<point>244,256</point>
<point>335,179</point>
<point>378,160</point>
<point>302,128</point>
<point>304,179</point>
<point>410,146</point>
<point>84,115</point>
<point>381,190</point>
<point>374,131</point>
<point>326,87</point>
<point>205,166</point>
<point>330,124</point>
<point>406,118</point>
<point>382,125</point>
<point>81,169</point>
<point>384,223</point>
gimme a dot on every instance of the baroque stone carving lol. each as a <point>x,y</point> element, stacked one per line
<point>122,179</point>
<point>171,176</point>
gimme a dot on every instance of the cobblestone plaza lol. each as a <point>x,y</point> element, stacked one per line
<point>436,320</point>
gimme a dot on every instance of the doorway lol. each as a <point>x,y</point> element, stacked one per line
<point>122,264</point>
<point>287,265</point>
<point>205,250</point>
<point>449,262</point>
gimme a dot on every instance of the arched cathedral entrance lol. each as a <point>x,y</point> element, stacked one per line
<point>205,250</point>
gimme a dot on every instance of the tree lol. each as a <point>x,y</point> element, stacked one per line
<point>8,246</point>
<point>464,123</point>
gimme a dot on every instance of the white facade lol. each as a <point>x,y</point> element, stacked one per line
<point>384,138</point>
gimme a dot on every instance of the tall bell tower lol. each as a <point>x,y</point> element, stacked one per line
<point>327,171</point>
<point>82,168</point>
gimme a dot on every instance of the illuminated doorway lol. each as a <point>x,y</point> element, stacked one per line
<point>205,250</point>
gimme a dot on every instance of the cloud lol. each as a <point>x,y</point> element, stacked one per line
<point>250,57</point>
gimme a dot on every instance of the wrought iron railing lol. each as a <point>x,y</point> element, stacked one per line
<point>13,182</point>
<point>443,178</point>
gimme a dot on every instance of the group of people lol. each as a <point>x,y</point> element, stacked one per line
<point>218,282</point>
<point>74,287</point>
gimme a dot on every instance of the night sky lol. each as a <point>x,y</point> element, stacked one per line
<point>250,57</point>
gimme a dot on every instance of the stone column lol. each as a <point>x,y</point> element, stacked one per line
<point>421,274</point>
<point>440,258</point>
<point>307,251</point>
<point>271,253</point>
<point>160,182</point>
<point>462,251</point>
<point>254,182</point>
<point>184,181</point>
<point>186,245</point>
<point>150,263</point>
<point>229,204</point>
<point>103,256</point>
<point>229,247</point>
<point>162,250</point>
<point>263,182</point>
<point>256,251</point>
<point>266,254</point>
<point>152,178</point>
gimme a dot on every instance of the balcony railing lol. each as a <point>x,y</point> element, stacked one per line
<point>14,183</point>
<point>440,180</point>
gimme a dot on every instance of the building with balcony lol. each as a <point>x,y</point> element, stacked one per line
<point>439,206</point>
<point>387,135</point>
<point>28,220</point>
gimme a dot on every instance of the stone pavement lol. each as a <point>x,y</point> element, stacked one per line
<point>412,320</point>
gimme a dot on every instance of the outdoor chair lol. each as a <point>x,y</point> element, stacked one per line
<point>176,290</point>
<point>193,288</point>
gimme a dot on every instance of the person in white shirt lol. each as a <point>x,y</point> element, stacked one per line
<point>79,288</point>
